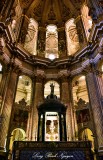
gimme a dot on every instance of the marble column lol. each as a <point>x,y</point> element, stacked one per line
<point>96,107</point>
<point>38,99</point>
<point>8,105</point>
<point>65,99</point>
<point>30,120</point>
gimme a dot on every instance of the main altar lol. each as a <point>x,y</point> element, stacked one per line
<point>51,137</point>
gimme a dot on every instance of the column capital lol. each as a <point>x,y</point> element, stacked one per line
<point>99,73</point>
<point>89,69</point>
<point>63,75</point>
<point>40,75</point>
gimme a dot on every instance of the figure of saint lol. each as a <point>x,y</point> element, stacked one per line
<point>52,135</point>
<point>52,88</point>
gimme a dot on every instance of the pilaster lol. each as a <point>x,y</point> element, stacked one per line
<point>65,99</point>
<point>96,108</point>
<point>38,98</point>
<point>7,106</point>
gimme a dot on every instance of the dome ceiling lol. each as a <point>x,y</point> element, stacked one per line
<point>51,11</point>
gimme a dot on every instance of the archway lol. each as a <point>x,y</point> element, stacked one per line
<point>17,134</point>
<point>87,134</point>
<point>47,88</point>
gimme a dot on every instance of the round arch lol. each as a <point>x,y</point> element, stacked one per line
<point>24,89</point>
<point>17,134</point>
<point>47,88</point>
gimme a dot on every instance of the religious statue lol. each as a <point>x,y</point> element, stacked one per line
<point>52,88</point>
<point>52,135</point>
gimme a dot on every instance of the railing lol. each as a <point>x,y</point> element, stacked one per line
<point>74,150</point>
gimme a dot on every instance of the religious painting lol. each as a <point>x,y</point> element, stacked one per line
<point>51,128</point>
<point>83,116</point>
<point>20,118</point>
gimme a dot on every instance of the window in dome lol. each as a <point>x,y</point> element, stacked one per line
<point>72,37</point>
<point>31,37</point>
<point>51,42</point>
<point>87,21</point>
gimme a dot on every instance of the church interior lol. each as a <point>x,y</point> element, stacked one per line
<point>51,79</point>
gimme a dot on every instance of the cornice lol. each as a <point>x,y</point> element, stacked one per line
<point>83,56</point>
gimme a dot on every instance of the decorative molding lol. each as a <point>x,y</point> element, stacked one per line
<point>22,105</point>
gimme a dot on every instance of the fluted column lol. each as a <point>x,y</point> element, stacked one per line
<point>8,105</point>
<point>38,98</point>
<point>65,98</point>
<point>96,107</point>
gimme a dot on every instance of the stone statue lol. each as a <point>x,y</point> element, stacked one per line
<point>52,88</point>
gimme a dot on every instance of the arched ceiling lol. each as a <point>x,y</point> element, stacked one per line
<point>51,11</point>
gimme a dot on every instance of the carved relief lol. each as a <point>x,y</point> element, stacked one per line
<point>38,11</point>
<point>72,37</point>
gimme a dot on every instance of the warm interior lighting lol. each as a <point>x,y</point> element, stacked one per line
<point>0,67</point>
<point>51,56</point>
<point>90,22</point>
<point>82,78</point>
<point>102,68</point>
<point>20,77</point>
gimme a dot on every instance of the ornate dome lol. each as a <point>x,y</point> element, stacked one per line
<point>50,11</point>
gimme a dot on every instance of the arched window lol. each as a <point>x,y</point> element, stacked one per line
<point>23,89</point>
<point>79,89</point>
<point>51,42</point>
<point>87,21</point>
<point>31,37</point>
<point>47,89</point>
<point>72,37</point>
<point>17,134</point>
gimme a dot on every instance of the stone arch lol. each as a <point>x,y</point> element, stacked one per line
<point>47,89</point>
<point>24,89</point>
<point>51,42</point>
<point>79,86</point>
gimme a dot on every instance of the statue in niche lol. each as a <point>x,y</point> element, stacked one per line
<point>52,88</point>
